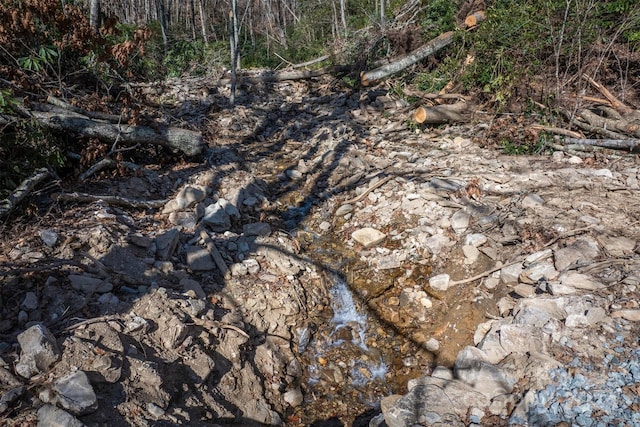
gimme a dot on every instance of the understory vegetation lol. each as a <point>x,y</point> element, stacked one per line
<point>526,58</point>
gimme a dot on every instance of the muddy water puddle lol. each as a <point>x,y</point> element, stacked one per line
<point>382,329</point>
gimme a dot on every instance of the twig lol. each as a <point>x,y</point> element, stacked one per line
<point>13,271</point>
<point>569,233</point>
<point>604,264</point>
<point>369,190</point>
<point>486,273</point>
<point>557,131</point>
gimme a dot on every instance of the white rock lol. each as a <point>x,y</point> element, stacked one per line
<point>460,221</point>
<point>471,254</point>
<point>368,237</point>
<point>293,397</point>
<point>432,345</point>
<point>532,200</point>
<point>510,273</point>
<point>535,272</point>
<point>630,314</point>
<point>538,256</point>
<point>439,282</point>
<point>491,282</point>
<point>579,281</point>
<point>524,290</point>
<point>344,209</point>
<point>475,239</point>
<point>556,288</point>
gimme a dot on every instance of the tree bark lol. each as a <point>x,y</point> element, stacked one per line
<point>187,141</point>
<point>94,15</point>
<point>23,191</point>
<point>413,57</point>
<point>625,127</point>
<point>618,144</point>
<point>439,114</point>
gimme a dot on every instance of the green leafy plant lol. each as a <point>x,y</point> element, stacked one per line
<point>7,101</point>
<point>37,61</point>
<point>514,148</point>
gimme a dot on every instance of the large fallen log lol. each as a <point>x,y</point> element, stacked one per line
<point>617,144</point>
<point>369,77</point>
<point>625,127</point>
<point>187,141</point>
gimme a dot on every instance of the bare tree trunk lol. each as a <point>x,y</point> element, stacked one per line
<point>233,45</point>
<point>382,16</point>
<point>236,32</point>
<point>203,22</point>
<point>343,15</point>
<point>163,24</point>
<point>94,15</point>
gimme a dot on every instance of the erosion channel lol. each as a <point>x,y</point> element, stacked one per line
<point>327,265</point>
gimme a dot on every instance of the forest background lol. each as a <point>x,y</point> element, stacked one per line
<point>525,58</point>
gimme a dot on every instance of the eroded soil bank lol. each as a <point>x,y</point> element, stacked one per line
<point>520,273</point>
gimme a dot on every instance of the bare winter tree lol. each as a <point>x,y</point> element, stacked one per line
<point>94,15</point>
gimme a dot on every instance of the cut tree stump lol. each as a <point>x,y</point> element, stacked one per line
<point>439,114</point>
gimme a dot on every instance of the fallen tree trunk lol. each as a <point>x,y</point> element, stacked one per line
<point>279,76</point>
<point>625,127</point>
<point>439,114</point>
<point>23,191</point>
<point>618,144</point>
<point>413,57</point>
<point>187,141</point>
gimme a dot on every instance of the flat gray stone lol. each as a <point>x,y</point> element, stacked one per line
<point>344,209</point>
<point>252,265</point>
<point>200,363</point>
<point>30,301</point>
<point>49,237</point>
<point>618,246</point>
<point>192,285</point>
<point>257,229</point>
<point>39,351</point>
<point>556,288</point>
<point>368,237</point>
<point>216,217</point>
<point>538,271</point>
<point>471,254</point>
<point>475,239</point>
<point>580,281</point>
<point>88,284</point>
<point>532,200</point>
<point>472,368</point>
<point>293,397</point>
<point>51,416</point>
<point>166,243</point>
<point>189,196</point>
<point>510,273</point>
<point>632,315</point>
<point>75,394</point>
<point>199,259</point>
<point>581,251</point>
<point>524,290</point>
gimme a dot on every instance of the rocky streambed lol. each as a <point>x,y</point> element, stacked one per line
<point>327,265</point>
